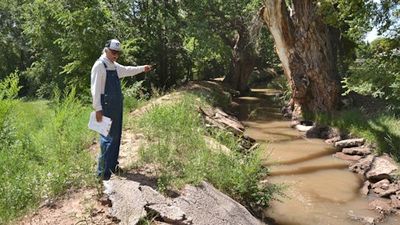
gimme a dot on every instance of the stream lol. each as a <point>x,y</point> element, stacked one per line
<point>319,187</point>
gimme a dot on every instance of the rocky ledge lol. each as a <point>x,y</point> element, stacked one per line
<point>132,199</point>
<point>380,173</point>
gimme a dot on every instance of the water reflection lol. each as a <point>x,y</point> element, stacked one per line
<point>320,188</point>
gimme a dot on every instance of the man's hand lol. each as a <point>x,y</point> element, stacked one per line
<point>99,116</point>
<point>147,68</point>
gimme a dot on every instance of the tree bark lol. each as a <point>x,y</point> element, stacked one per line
<point>304,48</point>
<point>242,62</point>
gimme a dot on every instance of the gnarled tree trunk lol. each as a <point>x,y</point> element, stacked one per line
<point>304,48</point>
<point>242,62</point>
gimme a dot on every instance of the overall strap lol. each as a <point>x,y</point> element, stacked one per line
<point>104,63</point>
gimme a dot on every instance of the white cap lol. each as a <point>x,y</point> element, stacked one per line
<point>113,44</point>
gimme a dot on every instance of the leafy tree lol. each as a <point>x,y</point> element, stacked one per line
<point>309,34</point>
<point>230,21</point>
<point>15,53</point>
<point>377,71</point>
<point>64,35</point>
<point>154,33</point>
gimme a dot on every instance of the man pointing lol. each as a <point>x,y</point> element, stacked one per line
<point>108,101</point>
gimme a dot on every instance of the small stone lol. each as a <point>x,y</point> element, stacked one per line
<point>333,140</point>
<point>381,205</point>
<point>350,143</point>
<point>363,165</point>
<point>385,188</point>
<point>341,155</point>
<point>382,167</point>
<point>357,151</point>
<point>384,184</point>
<point>363,219</point>
<point>395,200</point>
<point>365,188</point>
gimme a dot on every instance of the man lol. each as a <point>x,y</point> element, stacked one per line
<point>108,101</point>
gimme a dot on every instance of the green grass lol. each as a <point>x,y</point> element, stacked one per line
<point>382,129</point>
<point>42,152</point>
<point>176,133</point>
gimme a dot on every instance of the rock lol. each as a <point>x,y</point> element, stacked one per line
<point>200,205</point>
<point>151,196</point>
<point>206,205</point>
<point>365,189</point>
<point>331,132</point>
<point>218,118</point>
<point>384,184</point>
<point>293,123</point>
<point>169,213</point>
<point>323,132</point>
<point>384,188</point>
<point>350,143</point>
<point>343,156</point>
<point>357,151</point>
<point>316,131</point>
<point>365,220</point>
<point>333,140</point>
<point>302,128</point>
<point>246,142</point>
<point>381,205</point>
<point>313,132</point>
<point>363,165</point>
<point>387,193</point>
<point>127,200</point>
<point>382,167</point>
<point>395,200</point>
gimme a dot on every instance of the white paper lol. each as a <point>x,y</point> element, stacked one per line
<point>103,127</point>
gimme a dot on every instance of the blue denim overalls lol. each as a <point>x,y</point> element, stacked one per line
<point>111,102</point>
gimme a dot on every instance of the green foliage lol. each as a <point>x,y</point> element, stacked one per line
<point>352,18</point>
<point>210,56</point>
<point>154,32</point>
<point>9,87</point>
<point>41,152</point>
<point>378,74</point>
<point>179,148</point>
<point>219,30</point>
<point>15,50</point>
<point>66,47</point>
<point>133,95</point>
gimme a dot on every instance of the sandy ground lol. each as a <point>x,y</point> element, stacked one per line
<point>78,207</point>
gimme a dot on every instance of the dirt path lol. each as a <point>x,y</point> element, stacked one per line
<point>82,206</point>
<point>78,207</point>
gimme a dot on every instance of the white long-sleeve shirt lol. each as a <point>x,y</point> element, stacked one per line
<point>98,77</point>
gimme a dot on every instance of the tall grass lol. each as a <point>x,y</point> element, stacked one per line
<point>178,147</point>
<point>41,152</point>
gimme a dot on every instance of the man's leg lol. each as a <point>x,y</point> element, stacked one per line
<point>104,160</point>
<point>116,143</point>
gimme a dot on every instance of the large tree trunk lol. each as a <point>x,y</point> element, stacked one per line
<point>304,48</point>
<point>242,63</point>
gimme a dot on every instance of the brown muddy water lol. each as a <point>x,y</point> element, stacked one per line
<point>320,190</point>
